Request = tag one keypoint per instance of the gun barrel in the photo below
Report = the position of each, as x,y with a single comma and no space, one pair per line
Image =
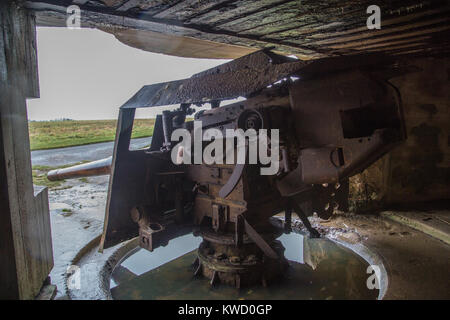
94,168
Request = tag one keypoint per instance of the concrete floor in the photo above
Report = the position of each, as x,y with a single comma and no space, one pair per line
417,264
76,216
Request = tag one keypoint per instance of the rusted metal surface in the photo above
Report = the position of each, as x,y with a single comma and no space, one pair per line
260,242
247,75
232,182
362,115
237,78
94,168
239,267
310,29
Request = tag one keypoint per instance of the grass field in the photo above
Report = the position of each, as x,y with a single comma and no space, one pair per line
40,175
58,134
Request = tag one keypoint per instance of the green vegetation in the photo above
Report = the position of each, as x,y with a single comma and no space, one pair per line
66,133
40,176
67,212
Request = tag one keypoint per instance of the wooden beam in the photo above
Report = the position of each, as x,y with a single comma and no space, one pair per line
197,8
413,35
402,30
98,19
405,19
179,6
128,5
25,250
217,15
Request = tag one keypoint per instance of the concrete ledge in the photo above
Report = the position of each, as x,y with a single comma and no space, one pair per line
48,292
435,224
416,263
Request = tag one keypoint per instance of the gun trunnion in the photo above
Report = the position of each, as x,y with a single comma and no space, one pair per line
335,117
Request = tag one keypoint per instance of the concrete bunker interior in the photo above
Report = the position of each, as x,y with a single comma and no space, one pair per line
398,213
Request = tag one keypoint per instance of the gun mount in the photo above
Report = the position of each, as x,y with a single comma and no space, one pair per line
325,121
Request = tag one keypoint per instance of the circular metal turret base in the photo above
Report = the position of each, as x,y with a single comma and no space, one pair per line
239,267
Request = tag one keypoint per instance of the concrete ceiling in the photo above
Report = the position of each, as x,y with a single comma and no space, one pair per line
310,29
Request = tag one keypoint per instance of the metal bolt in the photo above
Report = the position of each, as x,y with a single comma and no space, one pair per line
235,259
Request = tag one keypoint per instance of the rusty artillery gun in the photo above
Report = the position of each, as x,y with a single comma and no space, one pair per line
334,117
94,168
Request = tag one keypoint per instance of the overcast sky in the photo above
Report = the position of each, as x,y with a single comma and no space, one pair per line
88,74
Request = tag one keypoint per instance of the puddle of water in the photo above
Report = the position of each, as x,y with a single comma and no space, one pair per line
293,243
319,269
140,261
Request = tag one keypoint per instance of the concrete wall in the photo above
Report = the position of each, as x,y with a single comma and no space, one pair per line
419,170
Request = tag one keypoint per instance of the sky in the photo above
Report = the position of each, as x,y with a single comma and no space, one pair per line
86,74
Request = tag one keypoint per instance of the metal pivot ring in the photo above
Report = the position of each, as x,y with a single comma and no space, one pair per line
250,119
